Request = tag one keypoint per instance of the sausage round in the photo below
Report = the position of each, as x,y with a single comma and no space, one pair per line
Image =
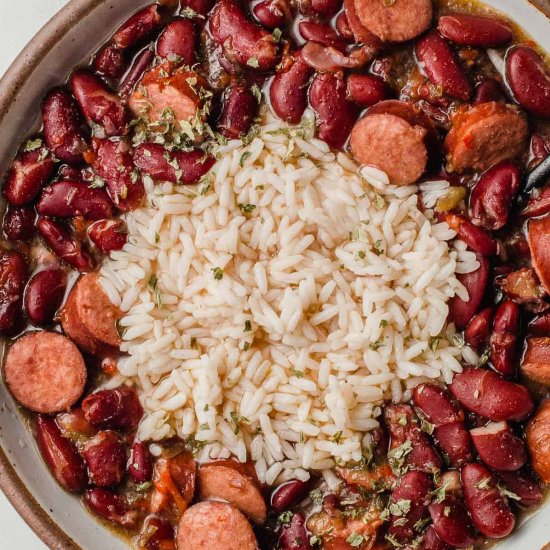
538,442
391,144
483,136
45,372
89,318
229,480
401,21
215,526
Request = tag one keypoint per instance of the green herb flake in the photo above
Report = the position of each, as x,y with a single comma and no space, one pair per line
434,343
247,326
355,539
247,208
376,345
255,89
32,145
379,201
243,158
285,517
377,247
400,508
276,34
337,437
383,323
485,483
218,273
253,62
361,255
297,373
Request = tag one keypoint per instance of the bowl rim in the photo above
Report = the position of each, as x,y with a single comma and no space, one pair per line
16,75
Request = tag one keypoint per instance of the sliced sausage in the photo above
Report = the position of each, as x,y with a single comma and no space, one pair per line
230,480
391,144
174,95
89,318
13,275
536,360
485,135
45,372
361,34
396,21
538,442
539,243
215,526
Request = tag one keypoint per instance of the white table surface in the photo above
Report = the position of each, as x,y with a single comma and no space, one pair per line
19,22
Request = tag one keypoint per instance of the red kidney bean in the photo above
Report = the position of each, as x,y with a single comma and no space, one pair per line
115,165
430,540
475,237
108,235
488,90
159,163
288,92
178,42
242,40
239,108
63,127
322,33
289,494
487,394
540,326
504,345
415,490
403,427
140,463
68,199
436,405
60,455
156,534
488,508
366,90
529,80
451,522
13,275
141,63
475,30
455,441
138,27
538,204
64,245
105,456
111,507
110,62
461,312
28,173
498,447
336,115
98,103
74,426
524,486
272,13
478,329
294,536
113,409
343,28
325,8
18,223
441,66
493,195
44,294
201,7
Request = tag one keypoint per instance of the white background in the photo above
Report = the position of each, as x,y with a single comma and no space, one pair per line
19,22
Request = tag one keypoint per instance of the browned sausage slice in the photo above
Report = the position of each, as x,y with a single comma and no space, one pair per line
45,372
159,94
539,244
485,135
538,442
90,319
229,480
215,526
396,21
535,364
392,145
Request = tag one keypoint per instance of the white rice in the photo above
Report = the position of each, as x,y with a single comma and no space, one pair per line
330,296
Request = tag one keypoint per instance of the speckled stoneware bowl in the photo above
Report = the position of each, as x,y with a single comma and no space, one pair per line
69,38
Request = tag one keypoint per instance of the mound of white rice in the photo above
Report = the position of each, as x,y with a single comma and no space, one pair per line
271,309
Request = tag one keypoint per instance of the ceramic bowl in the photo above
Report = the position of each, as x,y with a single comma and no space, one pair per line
69,38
